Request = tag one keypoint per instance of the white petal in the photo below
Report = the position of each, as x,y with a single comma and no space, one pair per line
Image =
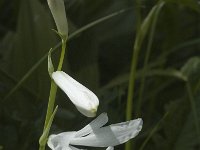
111,135
57,8
110,148
60,141
101,120
84,99
127,130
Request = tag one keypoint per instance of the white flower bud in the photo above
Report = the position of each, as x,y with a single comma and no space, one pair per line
85,100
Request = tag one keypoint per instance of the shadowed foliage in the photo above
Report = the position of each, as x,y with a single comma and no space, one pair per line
99,56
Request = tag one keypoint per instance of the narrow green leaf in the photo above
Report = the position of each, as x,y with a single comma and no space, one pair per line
136,49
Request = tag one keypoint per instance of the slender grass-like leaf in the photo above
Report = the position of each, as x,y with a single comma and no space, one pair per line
141,33
136,49
147,55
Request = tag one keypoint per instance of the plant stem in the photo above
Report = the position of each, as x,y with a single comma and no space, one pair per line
42,147
62,56
53,91
52,97
141,33
147,55
133,70
132,76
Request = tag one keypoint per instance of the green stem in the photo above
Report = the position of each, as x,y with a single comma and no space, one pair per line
50,108
141,33
147,55
62,56
42,147
133,71
132,76
131,83
129,107
53,91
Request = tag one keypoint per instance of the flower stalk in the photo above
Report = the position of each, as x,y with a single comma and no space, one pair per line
53,91
57,8
62,56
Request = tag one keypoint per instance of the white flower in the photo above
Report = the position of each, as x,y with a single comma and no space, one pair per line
57,8
94,135
84,99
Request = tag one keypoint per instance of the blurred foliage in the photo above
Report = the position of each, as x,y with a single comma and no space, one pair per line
100,58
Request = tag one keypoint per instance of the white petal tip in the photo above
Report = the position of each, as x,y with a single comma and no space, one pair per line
88,113
140,124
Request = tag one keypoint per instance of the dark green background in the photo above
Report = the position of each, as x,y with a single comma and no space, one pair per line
100,58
